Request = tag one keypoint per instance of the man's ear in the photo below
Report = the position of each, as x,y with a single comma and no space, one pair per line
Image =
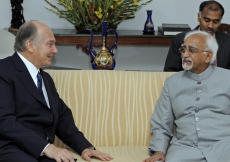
199,17
209,56
29,45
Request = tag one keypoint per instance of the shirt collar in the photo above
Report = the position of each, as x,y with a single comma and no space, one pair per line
201,76
31,68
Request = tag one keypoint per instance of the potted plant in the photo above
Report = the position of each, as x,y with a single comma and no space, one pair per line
91,13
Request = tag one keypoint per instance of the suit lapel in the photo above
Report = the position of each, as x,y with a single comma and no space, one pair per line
25,77
220,53
49,93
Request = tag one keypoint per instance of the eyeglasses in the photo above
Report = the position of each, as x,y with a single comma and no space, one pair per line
191,50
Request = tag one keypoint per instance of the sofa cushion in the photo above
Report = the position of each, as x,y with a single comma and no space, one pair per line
121,153
112,108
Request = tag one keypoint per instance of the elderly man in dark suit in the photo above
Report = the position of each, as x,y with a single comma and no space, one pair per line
209,17
31,111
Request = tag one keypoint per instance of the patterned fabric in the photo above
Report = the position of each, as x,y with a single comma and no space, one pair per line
39,84
120,153
111,108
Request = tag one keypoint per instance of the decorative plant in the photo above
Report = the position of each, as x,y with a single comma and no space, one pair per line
91,13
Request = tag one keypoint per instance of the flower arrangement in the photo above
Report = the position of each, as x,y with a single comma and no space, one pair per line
91,13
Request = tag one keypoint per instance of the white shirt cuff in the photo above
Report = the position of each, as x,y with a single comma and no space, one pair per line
92,148
42,153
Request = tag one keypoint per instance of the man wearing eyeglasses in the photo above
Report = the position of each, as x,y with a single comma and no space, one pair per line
197,102
209,18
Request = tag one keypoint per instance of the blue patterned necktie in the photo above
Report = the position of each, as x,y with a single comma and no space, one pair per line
39,84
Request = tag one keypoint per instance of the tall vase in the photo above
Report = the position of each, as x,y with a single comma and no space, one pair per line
149,27
103,59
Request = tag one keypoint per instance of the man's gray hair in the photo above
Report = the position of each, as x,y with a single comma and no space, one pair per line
27,31
211,44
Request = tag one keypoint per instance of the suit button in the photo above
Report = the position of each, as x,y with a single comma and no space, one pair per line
196,111
198,129
197,119
198,98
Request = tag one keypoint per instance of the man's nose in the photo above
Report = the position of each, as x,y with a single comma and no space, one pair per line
54,50
210,24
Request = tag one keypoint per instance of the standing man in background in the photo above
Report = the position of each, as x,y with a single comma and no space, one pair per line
31,111
209,18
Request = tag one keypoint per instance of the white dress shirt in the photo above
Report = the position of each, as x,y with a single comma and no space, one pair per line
33,73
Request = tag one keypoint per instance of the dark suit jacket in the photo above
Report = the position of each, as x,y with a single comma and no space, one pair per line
25,119
173,60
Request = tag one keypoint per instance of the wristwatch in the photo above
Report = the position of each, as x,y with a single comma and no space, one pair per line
151,152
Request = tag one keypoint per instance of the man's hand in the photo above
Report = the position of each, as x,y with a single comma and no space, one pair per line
58,154
158,156
88,153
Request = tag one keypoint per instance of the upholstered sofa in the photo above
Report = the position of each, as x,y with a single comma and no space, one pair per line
112,108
